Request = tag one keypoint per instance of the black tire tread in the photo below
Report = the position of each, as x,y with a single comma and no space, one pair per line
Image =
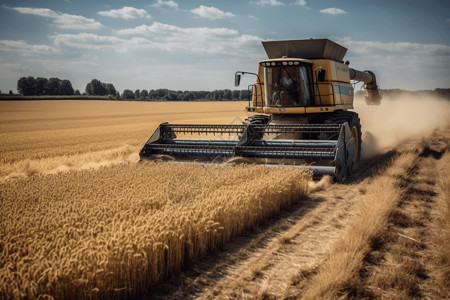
257,120
352,118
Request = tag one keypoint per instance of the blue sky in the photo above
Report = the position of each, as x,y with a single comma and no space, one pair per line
199,44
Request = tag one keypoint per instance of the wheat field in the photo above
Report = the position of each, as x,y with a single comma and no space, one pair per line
55,136
74,224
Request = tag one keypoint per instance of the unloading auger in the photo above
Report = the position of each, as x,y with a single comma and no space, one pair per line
300,103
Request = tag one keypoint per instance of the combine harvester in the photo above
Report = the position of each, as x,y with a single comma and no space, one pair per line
300,104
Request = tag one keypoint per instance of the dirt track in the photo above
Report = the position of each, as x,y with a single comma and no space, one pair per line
279,257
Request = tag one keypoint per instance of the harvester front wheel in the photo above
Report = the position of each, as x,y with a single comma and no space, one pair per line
257,120
354,124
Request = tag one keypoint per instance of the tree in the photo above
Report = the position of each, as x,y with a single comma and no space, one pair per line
136,94
110,89
96,87
144,94
160,93
88,90
11,92
171,96
188,96
216,95
235,95
128,94
52,87
65,87
77,92
243,94
26,86
41,84
227,94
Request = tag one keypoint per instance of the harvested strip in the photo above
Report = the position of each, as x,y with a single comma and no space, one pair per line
346,257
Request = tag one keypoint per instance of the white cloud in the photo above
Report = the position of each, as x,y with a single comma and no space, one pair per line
401,64
300,2
169,32
169,3
399,48
20,46
269,2
211,12
165,37
333,11
126,13
62,20
89,41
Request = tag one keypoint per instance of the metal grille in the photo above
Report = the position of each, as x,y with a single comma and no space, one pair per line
211,129
245,151
239,129
248,144
298,128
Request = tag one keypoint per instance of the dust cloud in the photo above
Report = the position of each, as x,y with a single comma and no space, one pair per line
399,118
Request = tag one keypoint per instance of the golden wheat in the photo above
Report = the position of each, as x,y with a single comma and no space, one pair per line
34,130
444,182
114,231
70,231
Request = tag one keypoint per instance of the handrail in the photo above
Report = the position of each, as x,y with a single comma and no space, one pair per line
251,86
326,95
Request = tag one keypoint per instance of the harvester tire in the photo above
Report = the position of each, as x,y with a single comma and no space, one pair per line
355,127
257,120
354,124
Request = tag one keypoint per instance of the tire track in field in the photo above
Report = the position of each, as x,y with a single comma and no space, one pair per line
266,261
280,251
293,256
270,272
402,263
281,256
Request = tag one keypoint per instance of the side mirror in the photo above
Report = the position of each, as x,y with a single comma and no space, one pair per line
321,75
237,79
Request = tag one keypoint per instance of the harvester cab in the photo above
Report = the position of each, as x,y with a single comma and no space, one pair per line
300,104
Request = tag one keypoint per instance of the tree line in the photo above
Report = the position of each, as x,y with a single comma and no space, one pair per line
172,95
30,86
40,86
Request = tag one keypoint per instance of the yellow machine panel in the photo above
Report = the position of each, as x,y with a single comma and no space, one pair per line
324,93
334,71
344,93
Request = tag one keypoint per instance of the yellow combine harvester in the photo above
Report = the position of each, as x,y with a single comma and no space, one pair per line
300,103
